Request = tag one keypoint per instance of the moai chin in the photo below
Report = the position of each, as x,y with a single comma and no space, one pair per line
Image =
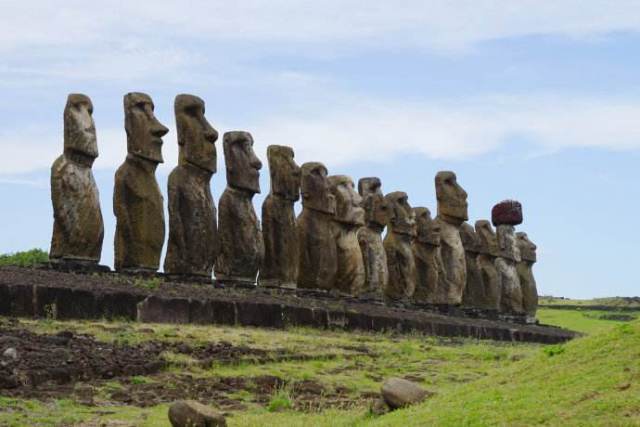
241,245
318,260
486,260
137,200
474,289
452,212
348,219
525,272
426,251
280,264
397,245
193,231
78,228
370,238
508,258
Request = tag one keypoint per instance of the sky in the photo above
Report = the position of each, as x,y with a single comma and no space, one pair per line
533,100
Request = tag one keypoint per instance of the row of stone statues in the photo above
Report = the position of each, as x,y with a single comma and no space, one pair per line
335,244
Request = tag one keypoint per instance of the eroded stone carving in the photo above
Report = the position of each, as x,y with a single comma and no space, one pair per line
370,238
137,200
349,217
280,263
318,260
78,228
452,212
509,256
193,231
525,272
397,245
240,236
486,260
426,251
474,289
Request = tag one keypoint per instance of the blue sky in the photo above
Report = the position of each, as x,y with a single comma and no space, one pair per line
533,100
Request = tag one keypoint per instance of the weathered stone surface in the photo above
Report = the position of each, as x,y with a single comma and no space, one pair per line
486,260
399,393
78,228
525,272
426,251
397,245
348,219
507,212
280,264
318,260
193,230
370,238
137,200
474,290
189,413
452,212
509,256
241,245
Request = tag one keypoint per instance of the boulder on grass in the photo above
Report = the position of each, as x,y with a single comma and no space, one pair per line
398,393
189,413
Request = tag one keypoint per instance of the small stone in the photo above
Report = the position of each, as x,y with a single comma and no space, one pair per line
189,413
379,407
398,393
10,353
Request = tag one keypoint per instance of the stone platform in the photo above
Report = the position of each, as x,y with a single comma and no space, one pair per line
43,293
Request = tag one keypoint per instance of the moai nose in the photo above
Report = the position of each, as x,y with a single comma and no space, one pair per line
159,130
211,135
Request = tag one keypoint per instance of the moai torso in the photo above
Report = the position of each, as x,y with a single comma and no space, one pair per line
452,212
474,289
426,251
504,216
349,217
374,256
318,260
193,231
525,272
78,228
240,236
486,261
280,264
397,245
137,200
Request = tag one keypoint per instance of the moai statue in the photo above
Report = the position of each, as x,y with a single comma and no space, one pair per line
241,245
280,264
474,289
525,272
397,245
193,231
137,200
504,216
486,260
452,212
78,229
426,251
376,215
348,219
318,259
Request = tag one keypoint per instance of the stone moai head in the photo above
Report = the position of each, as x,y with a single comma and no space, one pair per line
79,128
315,188
144,131
487,240
470,239
284,172
243,166
196,137
373,201
452,199
526,246
427,229
401,217
348,202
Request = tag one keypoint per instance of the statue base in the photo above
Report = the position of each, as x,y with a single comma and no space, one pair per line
76,265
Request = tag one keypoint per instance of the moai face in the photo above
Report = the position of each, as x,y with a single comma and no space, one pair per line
243,166
427,230
452,199
401,218
79,128
526,246
316,193
469,238
487,240
373,202
144,131
284,172
507,245
196,137
348,201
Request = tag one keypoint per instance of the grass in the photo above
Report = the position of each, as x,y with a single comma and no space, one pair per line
24,259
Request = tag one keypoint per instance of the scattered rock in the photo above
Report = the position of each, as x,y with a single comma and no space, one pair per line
379,407
398,392
189,413
10,353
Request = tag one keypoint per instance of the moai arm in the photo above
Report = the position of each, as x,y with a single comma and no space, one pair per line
176,229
